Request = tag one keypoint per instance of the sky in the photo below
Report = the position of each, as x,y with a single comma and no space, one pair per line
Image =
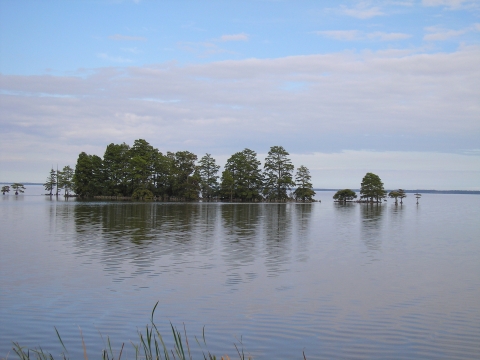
346,87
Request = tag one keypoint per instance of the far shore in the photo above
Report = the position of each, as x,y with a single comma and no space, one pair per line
464,192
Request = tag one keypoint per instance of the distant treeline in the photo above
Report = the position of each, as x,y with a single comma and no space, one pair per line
143,172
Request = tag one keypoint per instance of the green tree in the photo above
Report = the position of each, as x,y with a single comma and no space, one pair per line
345,195
402,195
5,189
18,188
141,165
208,171
51,182
88,179
183,183
246,176
278,172
65,179
250,178
304,190
115,167
227,185
372,188
394,194
161,174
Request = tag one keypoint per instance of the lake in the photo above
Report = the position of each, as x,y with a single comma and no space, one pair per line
350,281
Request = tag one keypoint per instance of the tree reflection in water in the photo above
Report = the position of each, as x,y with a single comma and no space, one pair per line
372,221
278,236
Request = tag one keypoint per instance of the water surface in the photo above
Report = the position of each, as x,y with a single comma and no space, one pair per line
336,281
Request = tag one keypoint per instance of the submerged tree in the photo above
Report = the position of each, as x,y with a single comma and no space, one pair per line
304,190
394,194
402,195
51,182
18,188
372,188
5,189
345,195
278,172
418,196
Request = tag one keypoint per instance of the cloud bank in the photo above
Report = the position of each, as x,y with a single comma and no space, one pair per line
395,100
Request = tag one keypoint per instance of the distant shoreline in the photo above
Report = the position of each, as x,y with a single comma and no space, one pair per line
461,192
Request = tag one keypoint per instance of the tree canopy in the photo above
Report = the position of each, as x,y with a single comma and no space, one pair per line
19,188
278,172
345,195
142,171
304,190
372,188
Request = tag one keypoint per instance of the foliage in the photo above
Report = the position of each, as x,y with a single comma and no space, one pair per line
402,195
244,180
178,176
184,180
207,171
89,177
65,179
278,170
115,167
372,188
304,190
5,189
394,194
51,182
18,188
345,195
227,185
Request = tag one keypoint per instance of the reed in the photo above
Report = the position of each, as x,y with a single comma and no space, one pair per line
150,347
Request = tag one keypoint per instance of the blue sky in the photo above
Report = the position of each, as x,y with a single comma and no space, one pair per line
349,87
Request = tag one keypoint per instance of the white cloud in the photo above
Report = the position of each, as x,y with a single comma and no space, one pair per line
383,36
234,37
452,4
355,35
346,35
436,33
362,11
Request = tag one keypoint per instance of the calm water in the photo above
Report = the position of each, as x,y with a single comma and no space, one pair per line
336,281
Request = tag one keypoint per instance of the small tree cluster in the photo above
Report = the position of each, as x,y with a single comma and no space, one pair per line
396,194
126,170
58,180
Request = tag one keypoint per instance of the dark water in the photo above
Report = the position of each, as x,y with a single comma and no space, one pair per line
336,281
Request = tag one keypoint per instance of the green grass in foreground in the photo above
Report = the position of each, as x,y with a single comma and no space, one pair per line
151,346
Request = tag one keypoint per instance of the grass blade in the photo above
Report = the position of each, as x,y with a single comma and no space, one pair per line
60,338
